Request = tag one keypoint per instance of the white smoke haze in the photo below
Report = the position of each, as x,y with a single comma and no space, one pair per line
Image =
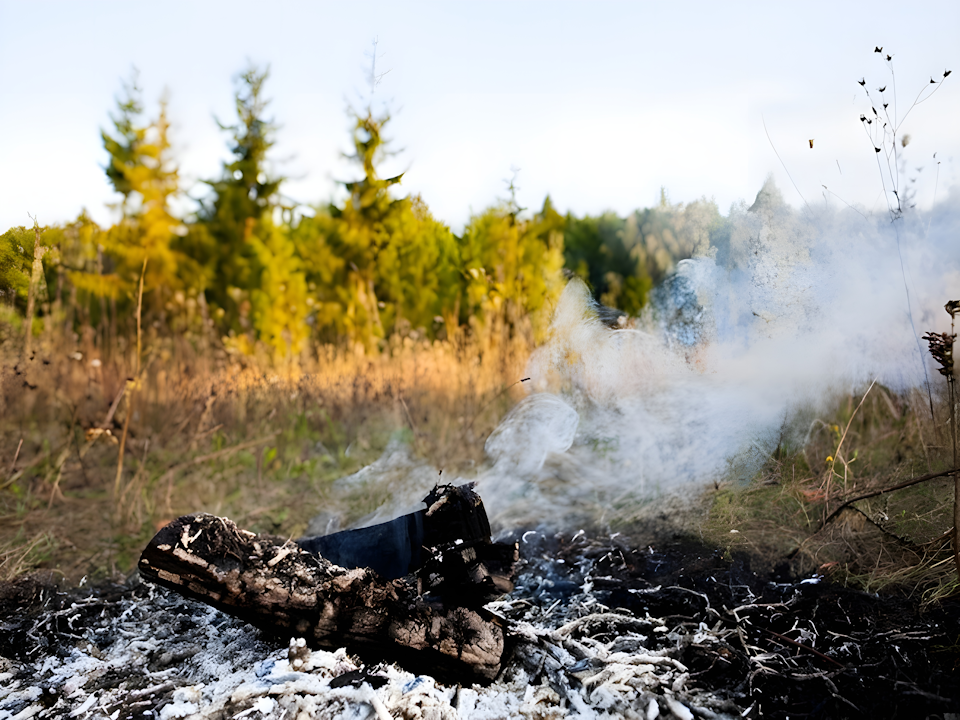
786,310
741,348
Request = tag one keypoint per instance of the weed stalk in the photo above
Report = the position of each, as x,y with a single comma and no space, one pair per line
36,272
952,308
130,395
941,348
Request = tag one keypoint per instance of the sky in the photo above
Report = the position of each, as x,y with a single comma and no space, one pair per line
598,104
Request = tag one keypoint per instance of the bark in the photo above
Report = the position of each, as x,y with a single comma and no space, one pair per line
288,591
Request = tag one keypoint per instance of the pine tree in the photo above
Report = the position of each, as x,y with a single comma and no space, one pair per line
124,147
142,168
363,230
225,261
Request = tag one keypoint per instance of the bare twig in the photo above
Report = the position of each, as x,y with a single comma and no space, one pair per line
882,491
770,140
16,456
113,408
491,401
19,473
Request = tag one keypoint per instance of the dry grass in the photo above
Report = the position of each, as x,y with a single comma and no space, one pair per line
232,435
19,555
263,443
896,540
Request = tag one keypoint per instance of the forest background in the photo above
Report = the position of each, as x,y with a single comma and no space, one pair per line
250,270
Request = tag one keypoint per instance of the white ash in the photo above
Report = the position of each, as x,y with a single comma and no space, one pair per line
153,654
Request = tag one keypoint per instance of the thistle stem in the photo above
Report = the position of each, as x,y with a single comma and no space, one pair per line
951,384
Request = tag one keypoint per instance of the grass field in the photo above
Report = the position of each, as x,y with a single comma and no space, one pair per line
264,445
223,435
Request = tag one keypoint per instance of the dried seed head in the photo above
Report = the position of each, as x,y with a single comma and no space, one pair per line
941,348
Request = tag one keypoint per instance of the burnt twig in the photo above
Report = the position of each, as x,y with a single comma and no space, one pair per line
809,649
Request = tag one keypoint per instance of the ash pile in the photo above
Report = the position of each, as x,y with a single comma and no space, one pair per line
596,627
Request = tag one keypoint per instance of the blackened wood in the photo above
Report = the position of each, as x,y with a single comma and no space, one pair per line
470,575
392,549
447,545
455,513
285,590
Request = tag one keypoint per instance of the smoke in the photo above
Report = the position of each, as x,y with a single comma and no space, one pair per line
783,311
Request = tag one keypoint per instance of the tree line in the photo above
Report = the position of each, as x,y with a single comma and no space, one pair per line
256,270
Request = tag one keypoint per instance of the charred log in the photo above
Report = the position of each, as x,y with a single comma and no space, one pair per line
285,590
447,545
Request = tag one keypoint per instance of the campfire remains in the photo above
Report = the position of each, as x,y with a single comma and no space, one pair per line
602,627
423,609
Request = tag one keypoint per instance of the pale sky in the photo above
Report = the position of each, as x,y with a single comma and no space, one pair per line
598,104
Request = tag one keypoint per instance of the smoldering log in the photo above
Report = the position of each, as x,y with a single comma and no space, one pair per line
286,590
447,544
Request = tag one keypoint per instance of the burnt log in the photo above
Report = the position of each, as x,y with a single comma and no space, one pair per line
286,590
447,545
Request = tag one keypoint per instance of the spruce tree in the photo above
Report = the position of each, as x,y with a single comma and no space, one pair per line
243,197
363,229
143,170
511,267
124,146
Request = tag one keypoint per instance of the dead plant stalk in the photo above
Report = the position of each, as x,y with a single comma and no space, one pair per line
35,275
130,395
951,385
836,454
941,348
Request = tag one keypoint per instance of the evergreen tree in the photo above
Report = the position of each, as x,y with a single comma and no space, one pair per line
417,273
16,260
661,236
124,146
363,229
227,264
386,264
324,272
279,302
511,266
142,168
622,259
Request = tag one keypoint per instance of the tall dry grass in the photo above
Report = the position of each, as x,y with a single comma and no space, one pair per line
207,430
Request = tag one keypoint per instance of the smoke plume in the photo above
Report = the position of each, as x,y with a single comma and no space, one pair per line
785,310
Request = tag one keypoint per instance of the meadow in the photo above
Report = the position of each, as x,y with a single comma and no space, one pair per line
243,359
